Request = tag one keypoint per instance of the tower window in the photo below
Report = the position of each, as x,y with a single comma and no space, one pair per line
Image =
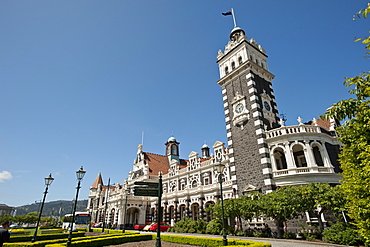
240,60
174,150
226,70
232,65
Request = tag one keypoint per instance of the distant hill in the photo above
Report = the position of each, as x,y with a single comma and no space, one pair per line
54,208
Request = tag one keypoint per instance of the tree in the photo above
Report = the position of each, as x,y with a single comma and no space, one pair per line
243,207
355,137
31,217
318,198
281,205
5,217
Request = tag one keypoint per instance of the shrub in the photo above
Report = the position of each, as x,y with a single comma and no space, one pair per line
342,233
183,225
289,235
214,227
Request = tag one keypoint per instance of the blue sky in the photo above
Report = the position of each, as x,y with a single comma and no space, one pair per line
81,80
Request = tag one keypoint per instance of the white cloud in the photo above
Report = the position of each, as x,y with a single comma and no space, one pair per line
5,175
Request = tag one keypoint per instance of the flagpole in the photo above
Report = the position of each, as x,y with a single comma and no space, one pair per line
232,12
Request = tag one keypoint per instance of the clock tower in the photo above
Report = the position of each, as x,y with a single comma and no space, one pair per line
250,110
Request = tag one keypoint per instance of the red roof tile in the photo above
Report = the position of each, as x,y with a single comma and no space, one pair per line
159,163
98,180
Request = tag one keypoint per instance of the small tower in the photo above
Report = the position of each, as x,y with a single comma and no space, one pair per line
172,149
98,181
205,151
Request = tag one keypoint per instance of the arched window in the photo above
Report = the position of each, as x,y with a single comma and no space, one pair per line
299,158
280,160
317,155
240,60
226,70
194,184
195,211
233,65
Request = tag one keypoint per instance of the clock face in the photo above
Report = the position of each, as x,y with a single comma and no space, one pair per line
239,108
267,106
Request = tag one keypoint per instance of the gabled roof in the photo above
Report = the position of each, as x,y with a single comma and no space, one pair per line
159,163
98,180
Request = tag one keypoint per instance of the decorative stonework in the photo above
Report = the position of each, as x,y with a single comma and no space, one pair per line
240,111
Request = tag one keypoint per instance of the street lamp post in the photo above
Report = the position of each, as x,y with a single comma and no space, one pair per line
48,181
80,175
220,167
124,210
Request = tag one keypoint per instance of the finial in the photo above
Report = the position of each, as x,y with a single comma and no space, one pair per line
299,119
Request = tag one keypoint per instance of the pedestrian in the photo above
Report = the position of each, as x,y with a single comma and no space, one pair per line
4,233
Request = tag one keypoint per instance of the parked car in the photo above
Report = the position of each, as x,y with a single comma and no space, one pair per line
97,224
163,227
147,227
140,226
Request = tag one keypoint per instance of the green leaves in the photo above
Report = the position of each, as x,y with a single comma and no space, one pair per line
355,137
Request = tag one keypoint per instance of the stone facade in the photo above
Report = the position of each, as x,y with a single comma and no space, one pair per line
262,153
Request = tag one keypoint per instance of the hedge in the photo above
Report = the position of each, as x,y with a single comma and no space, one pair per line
110,240
101,240
209,242
25,238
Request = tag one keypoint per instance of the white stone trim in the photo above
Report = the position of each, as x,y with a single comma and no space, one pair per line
251,83
252,90
230,142
259,131
232,168
260,140
227,119
233,177
266,171
258,122
256,114
249,75
226,104
231,151
228,126
263,150
255,105
268,181
224,98
265,160
253,97
269,191
228,134
224,91
226,111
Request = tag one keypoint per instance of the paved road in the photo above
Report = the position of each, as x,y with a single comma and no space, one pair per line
273,242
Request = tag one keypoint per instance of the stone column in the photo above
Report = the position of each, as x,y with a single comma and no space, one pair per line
165,213
176,211
201,208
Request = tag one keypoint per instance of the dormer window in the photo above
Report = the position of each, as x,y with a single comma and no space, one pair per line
226,70
232,65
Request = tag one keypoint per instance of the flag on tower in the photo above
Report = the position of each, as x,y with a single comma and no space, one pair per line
227,13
